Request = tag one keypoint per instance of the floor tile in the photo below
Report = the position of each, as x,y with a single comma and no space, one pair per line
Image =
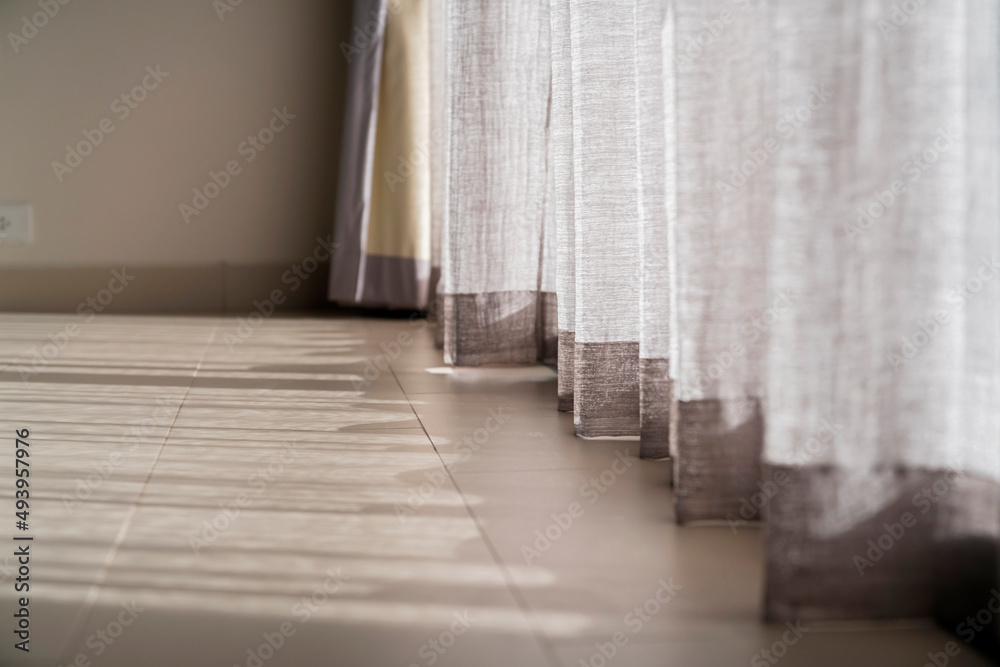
209,479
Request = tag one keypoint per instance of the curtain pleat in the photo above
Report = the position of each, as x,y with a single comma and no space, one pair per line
606,215
357,154
438,155
654,54
723,135
773,232
563,195
498,294
882,419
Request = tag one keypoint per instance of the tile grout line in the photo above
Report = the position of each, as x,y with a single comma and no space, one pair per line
90,602
547,647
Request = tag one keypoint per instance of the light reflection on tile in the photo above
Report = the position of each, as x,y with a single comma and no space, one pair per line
202,523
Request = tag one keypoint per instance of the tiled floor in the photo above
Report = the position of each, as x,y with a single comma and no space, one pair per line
203,491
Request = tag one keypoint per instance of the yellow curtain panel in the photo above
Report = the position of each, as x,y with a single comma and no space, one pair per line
383,218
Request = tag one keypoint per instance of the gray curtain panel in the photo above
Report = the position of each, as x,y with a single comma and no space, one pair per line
883,428
356,159
382,224
498,275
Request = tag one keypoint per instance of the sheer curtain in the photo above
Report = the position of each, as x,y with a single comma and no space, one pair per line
563,193
605,217
497,237
882,414
438,162
721,127
773,231
657,196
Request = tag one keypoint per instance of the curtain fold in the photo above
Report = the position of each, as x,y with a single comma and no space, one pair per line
606,217
723,134
498,276
882,414
774,232
657,188
382,226
561,151
438,163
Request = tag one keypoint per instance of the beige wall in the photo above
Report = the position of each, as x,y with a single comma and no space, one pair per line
120,206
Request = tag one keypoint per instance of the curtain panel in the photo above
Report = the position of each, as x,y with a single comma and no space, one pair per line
382,226
882,412
657,206
498,278
721,123
563,193
773,232
438,149
605,217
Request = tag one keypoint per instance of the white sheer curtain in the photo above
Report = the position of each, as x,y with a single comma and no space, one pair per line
438,162
497,238
776,245
884,375
722,124
605,217
561,152
657,205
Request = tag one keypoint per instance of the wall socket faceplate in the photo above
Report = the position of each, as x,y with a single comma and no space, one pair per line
16,224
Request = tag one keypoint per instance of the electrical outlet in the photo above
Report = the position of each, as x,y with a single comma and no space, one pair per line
15,224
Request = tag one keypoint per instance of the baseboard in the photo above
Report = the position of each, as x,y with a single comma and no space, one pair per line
192,289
